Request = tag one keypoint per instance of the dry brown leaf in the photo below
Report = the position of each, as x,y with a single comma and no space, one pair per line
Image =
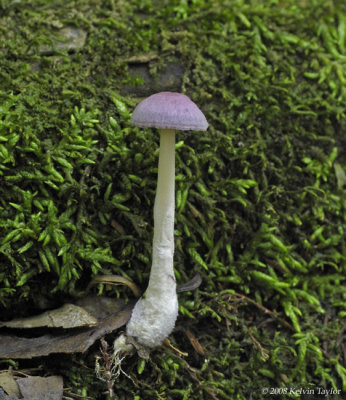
67,316
39,388
76,341
31,388
9,384
100,307
4,396
190,285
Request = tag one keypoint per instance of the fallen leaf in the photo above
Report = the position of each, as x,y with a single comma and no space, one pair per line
9,384
31,388
76,341
4,396
67,316
190,285
39,388
101,307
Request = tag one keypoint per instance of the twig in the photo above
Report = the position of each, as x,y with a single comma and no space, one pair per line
262,308
257,344
325,342
193,376
343,329
168,344
69,396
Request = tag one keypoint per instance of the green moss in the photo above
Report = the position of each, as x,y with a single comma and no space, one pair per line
260,196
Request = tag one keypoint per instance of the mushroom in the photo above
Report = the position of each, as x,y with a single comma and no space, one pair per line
154,315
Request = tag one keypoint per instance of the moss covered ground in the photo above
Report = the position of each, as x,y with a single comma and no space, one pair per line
260,197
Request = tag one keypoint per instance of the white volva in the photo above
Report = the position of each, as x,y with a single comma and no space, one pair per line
154,315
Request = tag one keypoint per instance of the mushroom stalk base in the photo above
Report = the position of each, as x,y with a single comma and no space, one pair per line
154,315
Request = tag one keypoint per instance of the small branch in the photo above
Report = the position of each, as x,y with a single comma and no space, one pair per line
339,337
193,376
257,344
169,345
262,308
69,396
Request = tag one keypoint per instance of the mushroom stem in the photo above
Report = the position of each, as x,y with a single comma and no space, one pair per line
163,241
154,315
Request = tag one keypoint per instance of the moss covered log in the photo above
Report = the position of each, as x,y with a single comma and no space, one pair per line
260,201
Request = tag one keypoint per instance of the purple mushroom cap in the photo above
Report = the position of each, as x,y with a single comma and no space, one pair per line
169,110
